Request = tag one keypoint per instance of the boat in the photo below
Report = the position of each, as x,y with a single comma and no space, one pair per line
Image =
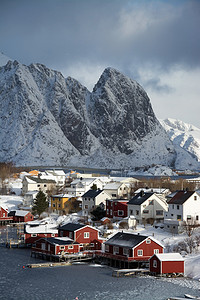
190,296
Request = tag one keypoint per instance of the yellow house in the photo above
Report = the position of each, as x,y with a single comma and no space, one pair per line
58,201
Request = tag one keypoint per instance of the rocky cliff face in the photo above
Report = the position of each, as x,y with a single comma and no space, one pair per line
46,119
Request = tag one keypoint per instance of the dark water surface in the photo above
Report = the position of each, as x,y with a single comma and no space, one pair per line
82,281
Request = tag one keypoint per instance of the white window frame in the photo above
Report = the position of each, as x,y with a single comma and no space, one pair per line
107,248
92,245
62,247
70,247
126,251
120,215
115,250
156,251
86,235
140,252
33,234
148,241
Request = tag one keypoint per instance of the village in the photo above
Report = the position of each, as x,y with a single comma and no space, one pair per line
117,221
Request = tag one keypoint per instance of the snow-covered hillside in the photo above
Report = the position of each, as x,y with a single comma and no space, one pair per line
186,140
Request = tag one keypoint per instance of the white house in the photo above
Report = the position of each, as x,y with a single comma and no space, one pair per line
57,175
117,190
147,206
31,183
81,186
93,198
184,206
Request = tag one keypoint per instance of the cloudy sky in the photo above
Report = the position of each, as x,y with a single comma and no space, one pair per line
154,42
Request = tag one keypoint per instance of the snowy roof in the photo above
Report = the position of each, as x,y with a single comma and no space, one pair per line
20,213
169,257
4,206
112,186
62,196
140,198
152,190
32,179
40,229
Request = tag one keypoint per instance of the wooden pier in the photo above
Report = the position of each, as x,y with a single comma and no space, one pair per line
130,272
50,264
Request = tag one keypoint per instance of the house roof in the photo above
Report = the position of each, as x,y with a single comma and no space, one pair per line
180,197
140,198
39,180
169,256
71,226
128,240
18,213
112,185
60,241
92,193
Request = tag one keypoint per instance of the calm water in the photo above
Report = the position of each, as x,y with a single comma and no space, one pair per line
82,281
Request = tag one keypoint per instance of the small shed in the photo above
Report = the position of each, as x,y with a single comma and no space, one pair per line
167,263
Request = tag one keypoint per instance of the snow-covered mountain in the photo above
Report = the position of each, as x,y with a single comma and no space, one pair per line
4,59
46,119
186,140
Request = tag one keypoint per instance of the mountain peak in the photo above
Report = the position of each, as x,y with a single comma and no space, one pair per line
4,59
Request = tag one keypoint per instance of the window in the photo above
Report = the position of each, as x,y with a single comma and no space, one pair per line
126,251
189,217
148,241
86,235
140,252
4,215
43,246
173,206
156,251
107,211
70,235
62,247
107,248
45,185
144,205
145,211
120,212
53,234
150,202
92,245
131,211
177,206
195,197
179,217
114,195
115,250
197,218
59,205
38,185
155,263
172,215
86,206
159,212
49,247
137,212
71,247
111,212
33,235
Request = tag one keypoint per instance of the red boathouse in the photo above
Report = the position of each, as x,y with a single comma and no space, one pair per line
166,263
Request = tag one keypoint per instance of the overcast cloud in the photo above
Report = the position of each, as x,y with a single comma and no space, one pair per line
155,42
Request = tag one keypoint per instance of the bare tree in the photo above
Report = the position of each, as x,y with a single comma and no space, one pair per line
6,169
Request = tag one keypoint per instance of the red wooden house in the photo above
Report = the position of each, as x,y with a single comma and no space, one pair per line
21,216
55,246
131,247
166,263
4,218
116,208
83,234
33,232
